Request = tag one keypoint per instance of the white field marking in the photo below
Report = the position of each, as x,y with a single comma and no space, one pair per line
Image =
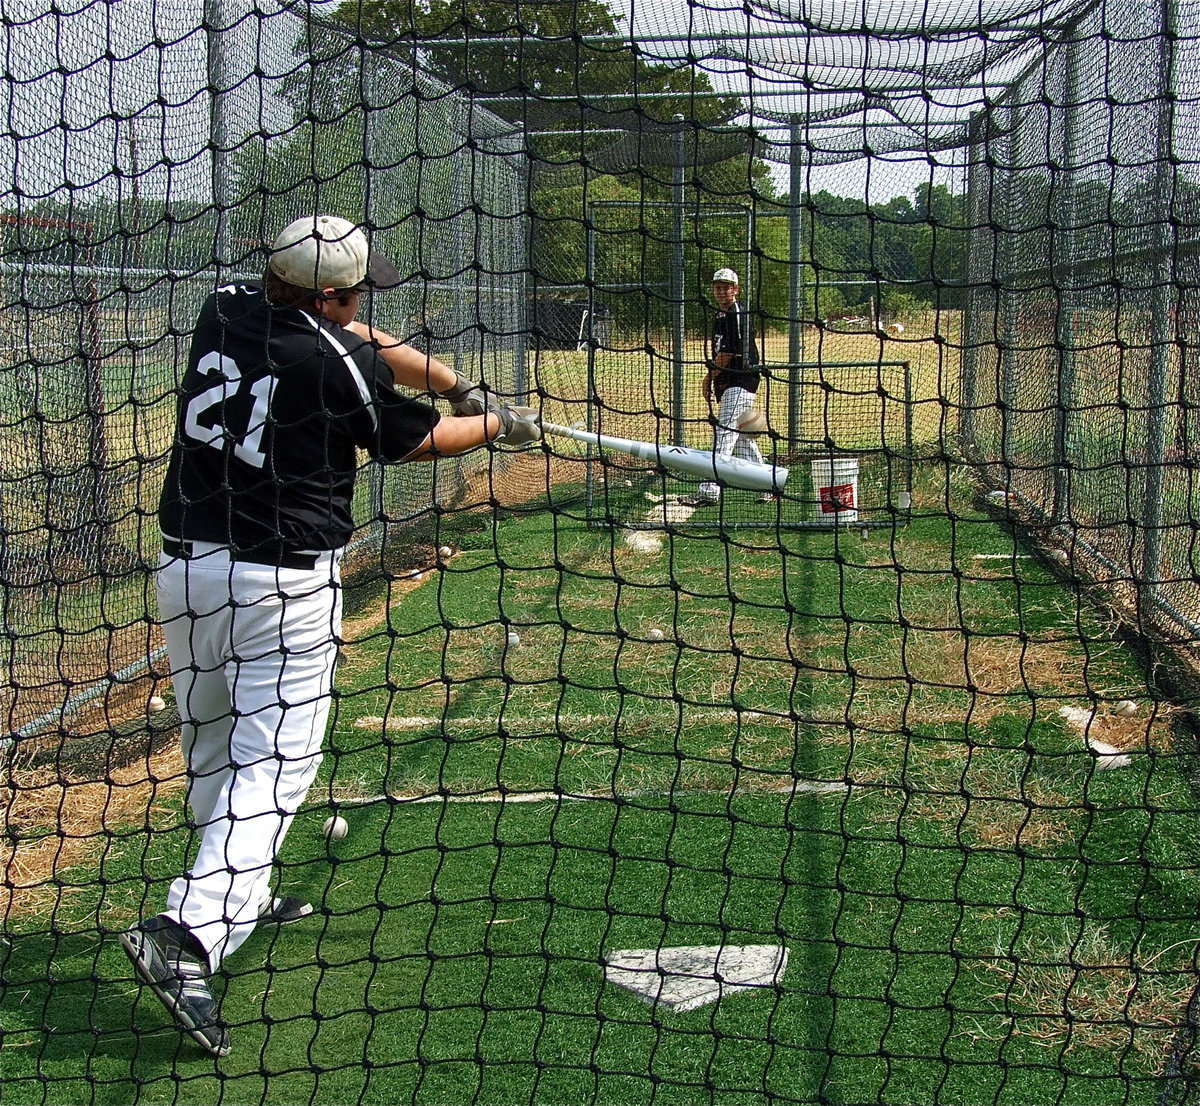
671,510
1002,556
564,721
689,977
641,542
1078,718
674,512
817,787
1107,756
1085,722
799,787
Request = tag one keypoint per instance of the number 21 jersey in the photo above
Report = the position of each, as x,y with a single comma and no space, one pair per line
273,407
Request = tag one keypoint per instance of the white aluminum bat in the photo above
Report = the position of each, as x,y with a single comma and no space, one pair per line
734,472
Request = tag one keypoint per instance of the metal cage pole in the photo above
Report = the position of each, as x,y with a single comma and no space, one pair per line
1068,316
216,40
980,298
589,280
1158,429
523,185
795,422
1006,247
678,287
369,61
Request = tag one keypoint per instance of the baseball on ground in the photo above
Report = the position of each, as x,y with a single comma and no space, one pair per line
655,635
336,828
1126,708
156,703
445,552
514,638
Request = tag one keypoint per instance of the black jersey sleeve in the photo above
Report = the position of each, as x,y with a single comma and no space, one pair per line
387,424
404,424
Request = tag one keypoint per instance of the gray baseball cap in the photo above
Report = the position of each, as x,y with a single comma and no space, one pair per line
725,276
324,251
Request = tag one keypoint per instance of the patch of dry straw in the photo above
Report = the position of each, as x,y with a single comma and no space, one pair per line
52,823
1090,994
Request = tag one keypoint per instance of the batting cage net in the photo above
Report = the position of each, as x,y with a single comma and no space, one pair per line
770,675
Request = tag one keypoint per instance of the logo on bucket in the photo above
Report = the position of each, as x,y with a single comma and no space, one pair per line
838,497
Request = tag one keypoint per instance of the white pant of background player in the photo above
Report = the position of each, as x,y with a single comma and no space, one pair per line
252,651
727,442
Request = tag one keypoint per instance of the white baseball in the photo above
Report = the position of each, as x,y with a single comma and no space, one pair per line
156,703
335,827
655,635
514,638
445,552
1126,708
1059,555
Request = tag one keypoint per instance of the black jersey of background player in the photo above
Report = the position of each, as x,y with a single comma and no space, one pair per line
730,332
272,410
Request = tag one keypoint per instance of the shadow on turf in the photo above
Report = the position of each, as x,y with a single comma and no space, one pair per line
66,998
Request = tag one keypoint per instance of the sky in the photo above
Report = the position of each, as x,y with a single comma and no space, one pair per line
87,90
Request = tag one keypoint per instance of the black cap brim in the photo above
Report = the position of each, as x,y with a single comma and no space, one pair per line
381,273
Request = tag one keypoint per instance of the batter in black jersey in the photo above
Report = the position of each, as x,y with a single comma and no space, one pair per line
283,387
273,407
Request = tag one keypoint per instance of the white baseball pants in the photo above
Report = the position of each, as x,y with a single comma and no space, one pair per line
727,442
252,651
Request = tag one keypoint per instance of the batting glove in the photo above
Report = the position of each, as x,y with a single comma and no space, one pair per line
466,397
519,425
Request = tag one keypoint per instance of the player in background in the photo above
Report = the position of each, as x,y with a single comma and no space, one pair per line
732,382
283,387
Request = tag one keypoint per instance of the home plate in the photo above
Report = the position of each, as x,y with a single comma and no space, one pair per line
692,976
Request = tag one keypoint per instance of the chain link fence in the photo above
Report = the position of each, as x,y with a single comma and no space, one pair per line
1079,374
99,289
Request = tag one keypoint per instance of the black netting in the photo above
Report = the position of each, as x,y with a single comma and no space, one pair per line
814,728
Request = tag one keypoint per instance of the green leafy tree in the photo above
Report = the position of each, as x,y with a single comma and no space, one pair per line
560,72
535,62
901,255
940,253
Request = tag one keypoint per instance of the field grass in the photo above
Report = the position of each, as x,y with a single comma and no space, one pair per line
68,634
849,746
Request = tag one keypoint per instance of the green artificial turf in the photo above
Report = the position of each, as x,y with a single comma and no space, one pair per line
847,746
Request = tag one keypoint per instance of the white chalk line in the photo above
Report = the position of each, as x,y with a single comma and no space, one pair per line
1085,723
797,787
568,721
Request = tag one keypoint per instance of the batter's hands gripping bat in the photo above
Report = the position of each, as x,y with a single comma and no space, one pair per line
731,471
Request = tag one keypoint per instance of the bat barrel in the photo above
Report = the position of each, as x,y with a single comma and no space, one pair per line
732,471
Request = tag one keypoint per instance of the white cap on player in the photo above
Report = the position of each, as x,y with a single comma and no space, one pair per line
725,276
323,251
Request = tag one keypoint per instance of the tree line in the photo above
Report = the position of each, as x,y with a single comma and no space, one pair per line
559,77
